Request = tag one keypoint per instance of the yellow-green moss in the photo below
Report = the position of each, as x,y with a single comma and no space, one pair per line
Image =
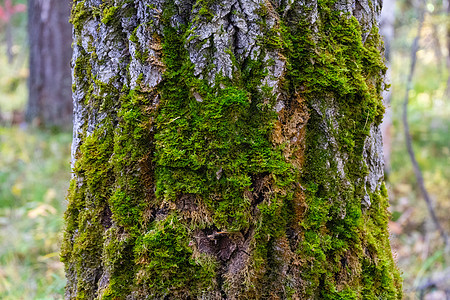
335,64
109,14
165,262
214,146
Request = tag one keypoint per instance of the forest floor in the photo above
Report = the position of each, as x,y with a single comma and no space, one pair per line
34,177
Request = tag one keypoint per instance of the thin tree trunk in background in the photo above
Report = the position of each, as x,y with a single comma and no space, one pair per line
9,43
228,150
50,38
387,31
408,139
436,44
447,90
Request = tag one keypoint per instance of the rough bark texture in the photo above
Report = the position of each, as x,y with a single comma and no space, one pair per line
228,150
50,37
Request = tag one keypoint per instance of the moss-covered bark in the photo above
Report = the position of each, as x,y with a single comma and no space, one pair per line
227,150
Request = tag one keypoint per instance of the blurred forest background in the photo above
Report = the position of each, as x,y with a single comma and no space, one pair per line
35,142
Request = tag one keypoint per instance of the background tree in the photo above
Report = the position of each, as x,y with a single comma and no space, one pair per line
6,12
50,37
228,150
387,32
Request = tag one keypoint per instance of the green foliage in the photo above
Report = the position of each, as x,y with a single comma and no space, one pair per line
13,85
34,172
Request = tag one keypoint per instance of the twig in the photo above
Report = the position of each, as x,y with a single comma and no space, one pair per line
438,281
442,279
9,43
447,90
417,171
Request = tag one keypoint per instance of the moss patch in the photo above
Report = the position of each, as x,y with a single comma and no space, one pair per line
166,265
335,70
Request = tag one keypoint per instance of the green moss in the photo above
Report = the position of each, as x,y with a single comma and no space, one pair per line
204,10
213,143
103,191
82,72
335,64
109,14
347,294
79,15
117,254
133,38
84,231
165,262
377,271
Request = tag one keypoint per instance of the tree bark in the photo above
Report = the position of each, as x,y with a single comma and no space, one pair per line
49,86
227,150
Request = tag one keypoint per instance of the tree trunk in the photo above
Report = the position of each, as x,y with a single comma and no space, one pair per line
9,42
49,86
228,150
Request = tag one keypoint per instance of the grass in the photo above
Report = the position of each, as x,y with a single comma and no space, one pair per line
34,176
